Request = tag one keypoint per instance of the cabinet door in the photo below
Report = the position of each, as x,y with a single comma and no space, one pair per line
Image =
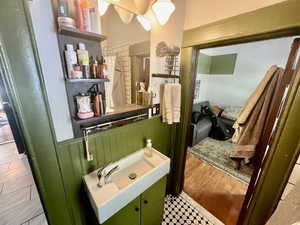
152,203
129,215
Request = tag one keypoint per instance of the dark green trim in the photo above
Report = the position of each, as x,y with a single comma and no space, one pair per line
275,21
189,62
29,98
282,19
284,153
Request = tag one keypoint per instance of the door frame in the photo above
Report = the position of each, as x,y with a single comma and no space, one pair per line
8,107
26,88
248,27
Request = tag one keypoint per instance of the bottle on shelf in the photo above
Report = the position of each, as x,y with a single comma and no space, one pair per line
77,72
71,60
62,8
79,14
83,59
93,67
86,15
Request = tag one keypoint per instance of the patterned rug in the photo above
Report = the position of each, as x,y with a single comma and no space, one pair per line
217,153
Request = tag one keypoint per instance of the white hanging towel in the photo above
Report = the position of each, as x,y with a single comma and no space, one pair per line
170,94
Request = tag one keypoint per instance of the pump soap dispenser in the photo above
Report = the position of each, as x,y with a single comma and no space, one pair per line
148,149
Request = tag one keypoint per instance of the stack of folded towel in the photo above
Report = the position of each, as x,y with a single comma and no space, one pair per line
170,101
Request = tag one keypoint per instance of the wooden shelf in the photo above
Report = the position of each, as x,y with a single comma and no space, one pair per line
160,75
73,32
87,80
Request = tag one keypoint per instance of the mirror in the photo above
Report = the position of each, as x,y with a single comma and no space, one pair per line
127,55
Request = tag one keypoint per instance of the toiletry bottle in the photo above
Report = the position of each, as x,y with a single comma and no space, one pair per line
148,149
77,73
86,15
93,67
79,14
95,16
71,60
83,59
62,8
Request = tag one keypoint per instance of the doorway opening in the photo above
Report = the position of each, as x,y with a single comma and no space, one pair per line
231,80
20,203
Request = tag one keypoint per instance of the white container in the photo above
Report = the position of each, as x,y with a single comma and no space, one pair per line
148,149
95,16
83,59
83,103
83,55
71,60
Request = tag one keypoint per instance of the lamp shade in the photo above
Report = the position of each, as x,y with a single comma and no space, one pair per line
163,9
125,15
103,6
142,6
144,22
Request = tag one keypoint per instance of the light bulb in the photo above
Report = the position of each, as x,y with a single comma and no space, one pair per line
144,22
163,10
103,6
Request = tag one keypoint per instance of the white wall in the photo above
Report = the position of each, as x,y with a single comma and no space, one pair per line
46,38
171,33
201,12
253,60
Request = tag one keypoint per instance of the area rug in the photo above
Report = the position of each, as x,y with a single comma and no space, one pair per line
217,153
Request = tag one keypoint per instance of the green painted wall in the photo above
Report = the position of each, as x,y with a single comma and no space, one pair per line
58,167
216,64
106,147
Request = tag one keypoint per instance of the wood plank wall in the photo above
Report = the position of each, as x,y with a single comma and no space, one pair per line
108,146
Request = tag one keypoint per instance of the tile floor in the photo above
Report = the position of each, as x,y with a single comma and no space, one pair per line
19,196
18,193
182,210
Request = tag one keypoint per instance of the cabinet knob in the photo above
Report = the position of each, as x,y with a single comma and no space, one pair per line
146,201
136,209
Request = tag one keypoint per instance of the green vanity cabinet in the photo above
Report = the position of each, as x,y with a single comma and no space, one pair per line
152,203
129,215
147,209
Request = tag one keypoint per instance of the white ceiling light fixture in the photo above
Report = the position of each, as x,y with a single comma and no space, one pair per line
163,9
125,15
142,6
103,6
144,22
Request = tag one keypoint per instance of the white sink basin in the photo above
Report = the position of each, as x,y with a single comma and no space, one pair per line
112,197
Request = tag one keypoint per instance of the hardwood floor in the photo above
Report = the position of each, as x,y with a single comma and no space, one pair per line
219,193
19,199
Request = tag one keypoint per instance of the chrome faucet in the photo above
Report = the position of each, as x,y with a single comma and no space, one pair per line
104,177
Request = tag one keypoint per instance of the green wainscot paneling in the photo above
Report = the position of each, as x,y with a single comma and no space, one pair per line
217,64
106,147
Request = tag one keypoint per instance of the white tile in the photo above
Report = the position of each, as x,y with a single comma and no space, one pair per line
295,176
11,186
21,164
13,174
21,213
289,187
39,220
34,193
12,199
